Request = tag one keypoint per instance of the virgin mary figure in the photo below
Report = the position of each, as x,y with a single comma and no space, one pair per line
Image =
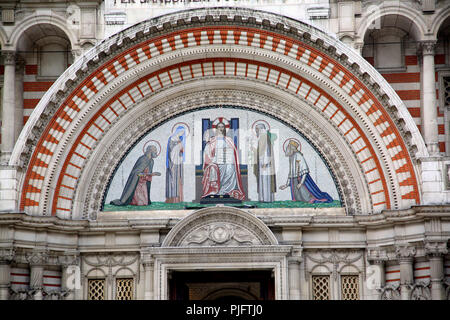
174,165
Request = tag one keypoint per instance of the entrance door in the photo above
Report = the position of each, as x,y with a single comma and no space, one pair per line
222,285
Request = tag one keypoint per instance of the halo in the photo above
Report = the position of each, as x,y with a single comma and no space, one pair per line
260,121
289,139
220,119
154,143
182,124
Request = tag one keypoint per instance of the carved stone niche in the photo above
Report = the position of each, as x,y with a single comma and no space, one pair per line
220,226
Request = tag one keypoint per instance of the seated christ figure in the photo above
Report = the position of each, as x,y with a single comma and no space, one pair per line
221,173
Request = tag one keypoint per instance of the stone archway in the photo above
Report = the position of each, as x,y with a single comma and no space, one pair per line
81,126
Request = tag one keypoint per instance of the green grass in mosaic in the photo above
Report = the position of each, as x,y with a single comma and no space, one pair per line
248,204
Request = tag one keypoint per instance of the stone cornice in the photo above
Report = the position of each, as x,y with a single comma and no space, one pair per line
279,250
155,221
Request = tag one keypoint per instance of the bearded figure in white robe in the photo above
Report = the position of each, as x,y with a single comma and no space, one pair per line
264,164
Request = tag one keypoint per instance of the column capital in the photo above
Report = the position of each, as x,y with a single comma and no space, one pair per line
427,47
7,255
9,57
405,253
69,259
295,256
436,248
37,258
377,255
147,259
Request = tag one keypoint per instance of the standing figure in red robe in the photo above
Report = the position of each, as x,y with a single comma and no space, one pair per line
221,172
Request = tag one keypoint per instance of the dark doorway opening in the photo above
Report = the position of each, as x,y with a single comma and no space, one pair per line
222,285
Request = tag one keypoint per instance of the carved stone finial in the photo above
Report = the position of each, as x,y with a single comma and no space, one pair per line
405,253
436,248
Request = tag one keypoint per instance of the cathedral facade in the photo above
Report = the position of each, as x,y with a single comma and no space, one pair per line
260,150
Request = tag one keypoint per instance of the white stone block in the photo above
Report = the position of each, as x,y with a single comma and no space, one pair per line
8,184
430,165
431,176
7,194
430,186
7,174
429,198
7,204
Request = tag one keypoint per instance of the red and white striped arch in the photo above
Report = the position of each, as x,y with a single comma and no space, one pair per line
353,129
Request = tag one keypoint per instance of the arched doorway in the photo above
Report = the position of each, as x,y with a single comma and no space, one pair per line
222,285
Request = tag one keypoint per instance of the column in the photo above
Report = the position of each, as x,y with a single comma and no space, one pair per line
429,106
6,256
294,274
148,264
405,255
435,252
18,114
8,106
37,260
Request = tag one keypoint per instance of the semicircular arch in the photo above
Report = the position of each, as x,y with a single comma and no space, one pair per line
365,108
181,232
36,20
